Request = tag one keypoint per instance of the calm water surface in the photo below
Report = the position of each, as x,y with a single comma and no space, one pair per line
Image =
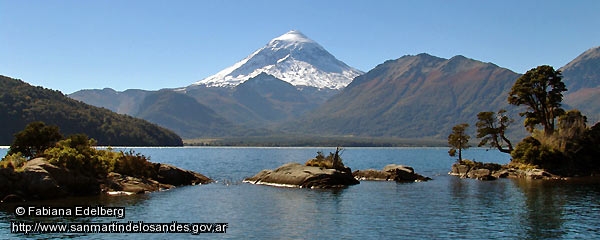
446,207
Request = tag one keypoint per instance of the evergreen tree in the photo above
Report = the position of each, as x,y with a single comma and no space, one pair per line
458,140
540,89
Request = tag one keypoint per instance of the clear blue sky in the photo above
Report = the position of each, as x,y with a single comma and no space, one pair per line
146,44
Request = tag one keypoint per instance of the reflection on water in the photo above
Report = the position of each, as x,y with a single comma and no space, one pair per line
487,209
544,203
553,206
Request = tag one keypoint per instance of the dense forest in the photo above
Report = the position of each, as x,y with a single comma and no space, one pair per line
21,103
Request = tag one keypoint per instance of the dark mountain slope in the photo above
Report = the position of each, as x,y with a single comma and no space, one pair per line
271,99
261,101
183,114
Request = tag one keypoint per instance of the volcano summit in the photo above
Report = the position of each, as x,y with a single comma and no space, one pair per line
291,57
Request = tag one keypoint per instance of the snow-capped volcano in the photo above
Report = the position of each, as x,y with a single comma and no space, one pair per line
291,57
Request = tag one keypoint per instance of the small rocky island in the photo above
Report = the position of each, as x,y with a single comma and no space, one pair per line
42,164
391,172
298,175
330,172
319,172
38,179
560,144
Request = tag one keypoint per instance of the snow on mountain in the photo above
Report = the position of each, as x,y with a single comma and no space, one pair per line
291,57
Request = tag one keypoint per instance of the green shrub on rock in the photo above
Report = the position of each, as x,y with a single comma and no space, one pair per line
333,161
14,161
530,151
134,164
78,153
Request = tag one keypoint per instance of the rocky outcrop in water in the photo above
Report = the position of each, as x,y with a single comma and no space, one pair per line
38,179
168,174
298,175
493,171
391,172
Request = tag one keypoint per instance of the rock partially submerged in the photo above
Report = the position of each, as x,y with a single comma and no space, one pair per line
391,172
493,171
117,184
41,180
298,175
172,175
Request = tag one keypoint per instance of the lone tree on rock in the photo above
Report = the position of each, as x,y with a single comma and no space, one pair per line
540,89
491,127
458,140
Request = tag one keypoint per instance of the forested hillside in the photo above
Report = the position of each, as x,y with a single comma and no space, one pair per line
21,103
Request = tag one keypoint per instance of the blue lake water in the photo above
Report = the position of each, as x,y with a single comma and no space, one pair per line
446,207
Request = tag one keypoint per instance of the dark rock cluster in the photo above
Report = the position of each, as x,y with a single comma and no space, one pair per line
39,179
391,172
493,171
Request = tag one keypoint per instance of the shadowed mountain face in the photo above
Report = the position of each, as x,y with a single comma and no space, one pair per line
260,101
271,99
212,111
182,114
582,77
21,103
413,96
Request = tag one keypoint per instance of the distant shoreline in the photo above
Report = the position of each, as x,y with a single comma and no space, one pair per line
314,141
230,142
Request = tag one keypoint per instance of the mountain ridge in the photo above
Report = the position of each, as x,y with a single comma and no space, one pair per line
582,77
414,96
403,98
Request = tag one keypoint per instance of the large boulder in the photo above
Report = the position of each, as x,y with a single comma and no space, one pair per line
172,175
39,179
460,170
540,174
395,172
477,170
394,167
38,183
481,174
372,175
116,182
298,175
74,182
